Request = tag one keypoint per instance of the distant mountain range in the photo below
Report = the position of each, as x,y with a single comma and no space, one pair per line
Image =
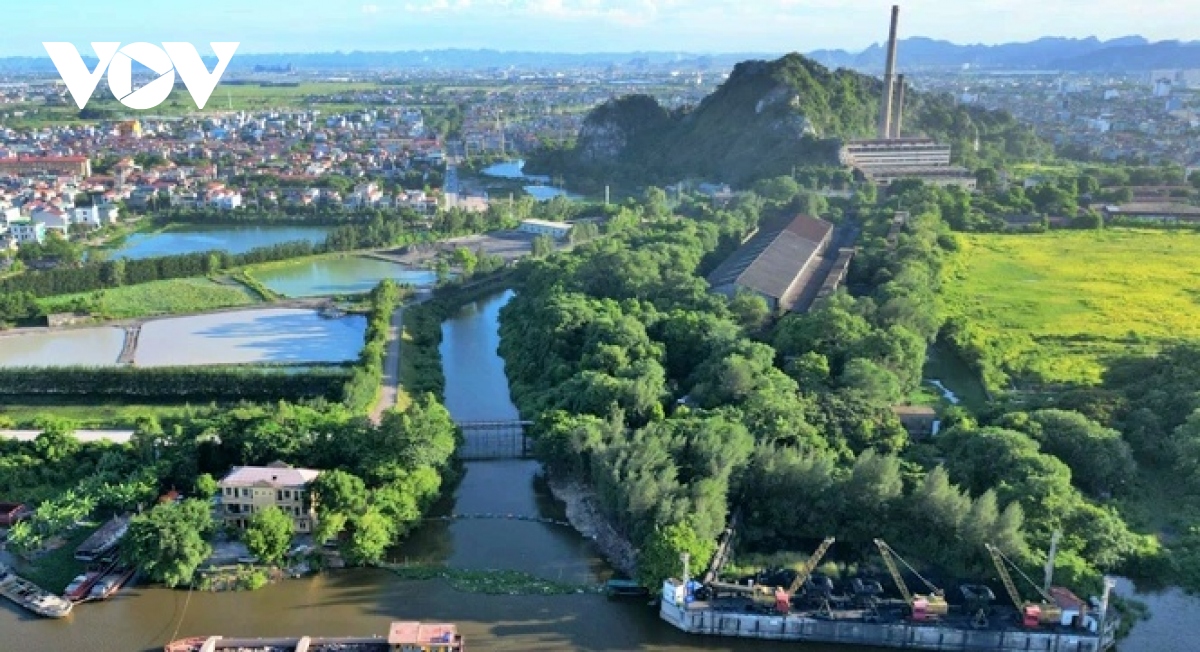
1126,54
450,59
1129,53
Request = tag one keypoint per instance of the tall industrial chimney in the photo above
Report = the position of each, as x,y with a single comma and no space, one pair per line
889,74
899,121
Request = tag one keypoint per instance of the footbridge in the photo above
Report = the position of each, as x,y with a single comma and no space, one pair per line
495,440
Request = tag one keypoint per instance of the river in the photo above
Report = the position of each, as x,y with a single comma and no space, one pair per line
363,601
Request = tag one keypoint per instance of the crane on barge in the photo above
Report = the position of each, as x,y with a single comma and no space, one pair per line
1033,614
923,607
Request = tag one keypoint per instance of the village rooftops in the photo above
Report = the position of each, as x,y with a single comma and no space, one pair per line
272,476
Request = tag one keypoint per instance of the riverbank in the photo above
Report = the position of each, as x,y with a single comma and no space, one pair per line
585,516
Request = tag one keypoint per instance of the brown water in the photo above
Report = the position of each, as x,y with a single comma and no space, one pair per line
363,602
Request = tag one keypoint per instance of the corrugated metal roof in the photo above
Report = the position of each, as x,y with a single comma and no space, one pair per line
772,260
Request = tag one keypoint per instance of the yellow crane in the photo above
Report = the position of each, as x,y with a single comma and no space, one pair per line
782,597
767,596
1032,613
923,607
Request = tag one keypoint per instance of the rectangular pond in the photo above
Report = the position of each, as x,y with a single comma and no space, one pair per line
336,276
90,347
188,239
278,335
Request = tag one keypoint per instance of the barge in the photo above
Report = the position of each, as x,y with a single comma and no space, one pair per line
881,624
401,637
31,596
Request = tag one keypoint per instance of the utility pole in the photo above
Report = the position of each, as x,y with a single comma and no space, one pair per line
1050,560
685,558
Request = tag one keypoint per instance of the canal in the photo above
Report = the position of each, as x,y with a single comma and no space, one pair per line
364,601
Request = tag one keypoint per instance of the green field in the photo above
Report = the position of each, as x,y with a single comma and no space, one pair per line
1054,307
23,411
175,296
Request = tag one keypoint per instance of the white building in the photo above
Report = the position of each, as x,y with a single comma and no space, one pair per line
556,230
25,230
53,219
89,215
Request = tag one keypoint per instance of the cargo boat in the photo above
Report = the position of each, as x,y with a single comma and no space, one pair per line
32,597
805,607
407,636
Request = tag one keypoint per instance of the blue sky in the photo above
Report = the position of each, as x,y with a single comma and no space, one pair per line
576,25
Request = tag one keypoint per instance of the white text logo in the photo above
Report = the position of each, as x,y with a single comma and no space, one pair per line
118,61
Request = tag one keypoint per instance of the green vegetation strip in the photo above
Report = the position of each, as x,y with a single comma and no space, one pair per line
491,582
176,296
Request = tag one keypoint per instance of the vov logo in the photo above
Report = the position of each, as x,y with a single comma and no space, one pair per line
118,61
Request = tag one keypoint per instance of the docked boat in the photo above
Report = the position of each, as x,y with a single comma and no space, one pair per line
407,636
625,589
79,587
110,584
31,596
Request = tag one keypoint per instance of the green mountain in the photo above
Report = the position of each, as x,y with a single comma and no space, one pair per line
765,118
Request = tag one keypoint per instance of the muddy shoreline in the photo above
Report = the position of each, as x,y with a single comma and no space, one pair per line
585,516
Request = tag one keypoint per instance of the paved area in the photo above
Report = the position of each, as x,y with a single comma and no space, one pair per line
509,245
117,436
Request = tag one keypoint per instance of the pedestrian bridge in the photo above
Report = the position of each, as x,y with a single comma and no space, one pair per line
495,440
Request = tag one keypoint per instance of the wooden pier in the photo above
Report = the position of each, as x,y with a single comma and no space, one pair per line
132,332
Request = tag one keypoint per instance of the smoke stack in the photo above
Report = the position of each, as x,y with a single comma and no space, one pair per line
889,74
899,122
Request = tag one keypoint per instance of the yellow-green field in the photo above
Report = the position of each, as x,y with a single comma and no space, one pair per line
1055,306
175,296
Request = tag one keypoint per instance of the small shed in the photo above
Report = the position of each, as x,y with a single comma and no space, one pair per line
918,420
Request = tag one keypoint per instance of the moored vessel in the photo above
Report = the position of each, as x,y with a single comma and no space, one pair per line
31,596
110,584
406,636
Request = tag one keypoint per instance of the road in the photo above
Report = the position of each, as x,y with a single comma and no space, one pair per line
390,389
117,436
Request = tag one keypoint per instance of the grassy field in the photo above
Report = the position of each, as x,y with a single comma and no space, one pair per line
175,296
1056,306
23,411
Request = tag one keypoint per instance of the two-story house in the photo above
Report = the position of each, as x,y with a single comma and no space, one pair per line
247,490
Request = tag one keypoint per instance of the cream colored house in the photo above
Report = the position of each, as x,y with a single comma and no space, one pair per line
246,490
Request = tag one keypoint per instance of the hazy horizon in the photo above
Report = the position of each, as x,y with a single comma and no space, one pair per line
583,26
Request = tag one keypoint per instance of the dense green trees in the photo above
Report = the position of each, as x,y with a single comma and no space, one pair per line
648,388
168,543
192,383
268,535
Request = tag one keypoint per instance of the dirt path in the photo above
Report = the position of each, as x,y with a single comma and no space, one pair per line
391,369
